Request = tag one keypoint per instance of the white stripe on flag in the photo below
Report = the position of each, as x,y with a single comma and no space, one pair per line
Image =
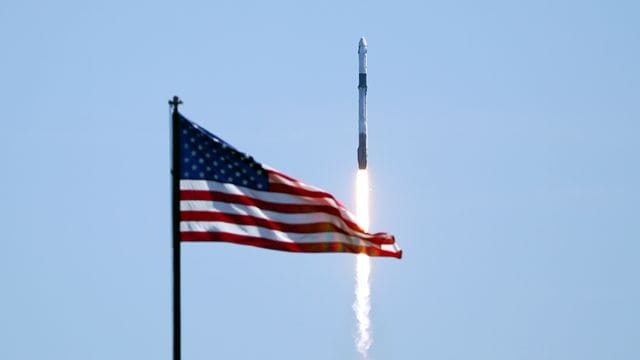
274,197
292,238
273,216
256,212
279,198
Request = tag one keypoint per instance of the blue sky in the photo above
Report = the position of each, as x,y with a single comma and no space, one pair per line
503,156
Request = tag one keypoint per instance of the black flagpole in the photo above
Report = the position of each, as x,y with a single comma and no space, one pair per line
175,218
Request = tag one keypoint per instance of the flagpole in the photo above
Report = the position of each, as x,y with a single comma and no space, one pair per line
175,220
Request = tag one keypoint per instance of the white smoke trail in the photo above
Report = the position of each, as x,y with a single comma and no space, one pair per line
362,305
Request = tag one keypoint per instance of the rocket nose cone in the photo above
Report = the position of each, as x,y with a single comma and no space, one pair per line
362,45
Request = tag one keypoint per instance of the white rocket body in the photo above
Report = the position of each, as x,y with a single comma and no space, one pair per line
362,104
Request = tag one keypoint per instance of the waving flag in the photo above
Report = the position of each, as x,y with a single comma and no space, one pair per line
226,195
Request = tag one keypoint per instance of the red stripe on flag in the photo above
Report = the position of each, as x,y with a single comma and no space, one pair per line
298,188
279,226
287,189
266,205
248,201
282,246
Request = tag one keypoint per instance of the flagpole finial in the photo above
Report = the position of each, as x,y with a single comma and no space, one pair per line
175,102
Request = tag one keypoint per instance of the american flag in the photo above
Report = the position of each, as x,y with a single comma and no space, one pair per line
227,196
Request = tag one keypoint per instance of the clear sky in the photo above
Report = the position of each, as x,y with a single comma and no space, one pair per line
503,156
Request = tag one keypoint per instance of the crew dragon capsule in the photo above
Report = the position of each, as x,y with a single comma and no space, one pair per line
362,104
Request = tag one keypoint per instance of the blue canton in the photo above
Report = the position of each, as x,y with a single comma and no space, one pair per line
204,156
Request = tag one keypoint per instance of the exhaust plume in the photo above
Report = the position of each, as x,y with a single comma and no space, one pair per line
362,304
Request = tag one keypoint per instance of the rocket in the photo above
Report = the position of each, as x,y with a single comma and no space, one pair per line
362,104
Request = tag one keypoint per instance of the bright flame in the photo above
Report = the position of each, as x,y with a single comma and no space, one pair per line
362,306
362,199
